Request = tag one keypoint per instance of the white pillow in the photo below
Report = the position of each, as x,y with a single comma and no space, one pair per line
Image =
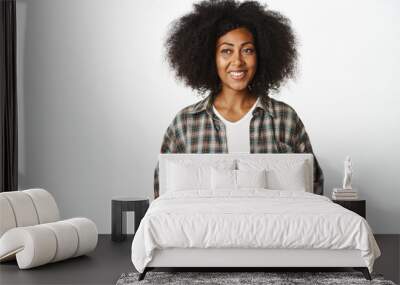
281,175
291,178
187,173
187,177
251,178
223,179
226,179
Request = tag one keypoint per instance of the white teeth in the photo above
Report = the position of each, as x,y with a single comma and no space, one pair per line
237,74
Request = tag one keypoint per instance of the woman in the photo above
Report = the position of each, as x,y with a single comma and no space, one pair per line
237,53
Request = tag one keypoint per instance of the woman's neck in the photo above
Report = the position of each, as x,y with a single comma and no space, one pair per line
232,100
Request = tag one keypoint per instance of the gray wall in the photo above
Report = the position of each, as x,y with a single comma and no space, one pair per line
95,97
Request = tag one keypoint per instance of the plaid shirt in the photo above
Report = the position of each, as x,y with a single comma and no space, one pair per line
274,128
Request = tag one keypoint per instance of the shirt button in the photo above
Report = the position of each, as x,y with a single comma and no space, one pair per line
217,127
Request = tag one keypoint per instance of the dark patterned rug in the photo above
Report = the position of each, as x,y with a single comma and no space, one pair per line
243,278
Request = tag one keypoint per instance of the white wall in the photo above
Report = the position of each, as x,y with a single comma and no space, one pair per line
95,97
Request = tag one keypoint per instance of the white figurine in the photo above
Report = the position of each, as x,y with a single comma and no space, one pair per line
348,173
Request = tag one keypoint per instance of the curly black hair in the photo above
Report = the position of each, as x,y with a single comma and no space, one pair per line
191,43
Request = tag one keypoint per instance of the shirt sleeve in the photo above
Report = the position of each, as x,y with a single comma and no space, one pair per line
170,144
302,144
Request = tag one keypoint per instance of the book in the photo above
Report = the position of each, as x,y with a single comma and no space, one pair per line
345,198
344,194
340,190
337,196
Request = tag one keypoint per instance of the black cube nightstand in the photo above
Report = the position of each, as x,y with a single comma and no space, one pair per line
357,206
119,207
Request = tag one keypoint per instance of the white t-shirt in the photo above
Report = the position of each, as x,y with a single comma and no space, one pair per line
238,133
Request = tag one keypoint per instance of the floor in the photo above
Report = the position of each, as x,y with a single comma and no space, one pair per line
102,266
111,259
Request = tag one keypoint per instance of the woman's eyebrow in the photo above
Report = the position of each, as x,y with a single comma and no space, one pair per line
246,43
225,43
230,44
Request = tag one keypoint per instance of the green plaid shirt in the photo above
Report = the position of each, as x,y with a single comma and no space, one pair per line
274,128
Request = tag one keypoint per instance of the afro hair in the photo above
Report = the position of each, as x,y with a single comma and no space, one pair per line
191,44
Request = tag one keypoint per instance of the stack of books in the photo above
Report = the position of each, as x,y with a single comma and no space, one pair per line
344,194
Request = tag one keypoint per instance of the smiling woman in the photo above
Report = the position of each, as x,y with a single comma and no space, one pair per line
236,59
236,62
235,53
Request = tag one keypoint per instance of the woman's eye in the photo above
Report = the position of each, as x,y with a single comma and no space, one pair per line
248,50
226,51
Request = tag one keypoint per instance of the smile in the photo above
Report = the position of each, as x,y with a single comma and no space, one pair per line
237,75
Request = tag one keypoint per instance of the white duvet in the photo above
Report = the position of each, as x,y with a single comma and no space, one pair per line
250,219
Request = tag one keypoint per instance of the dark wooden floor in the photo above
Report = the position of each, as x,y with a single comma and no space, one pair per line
110,260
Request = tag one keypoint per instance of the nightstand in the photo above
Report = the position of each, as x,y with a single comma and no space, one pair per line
119,207
357,206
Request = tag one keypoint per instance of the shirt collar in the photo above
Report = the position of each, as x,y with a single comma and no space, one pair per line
203,105
264,104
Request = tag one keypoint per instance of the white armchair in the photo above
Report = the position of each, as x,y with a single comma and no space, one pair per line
31,230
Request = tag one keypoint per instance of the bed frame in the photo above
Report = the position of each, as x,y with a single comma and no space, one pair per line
249,259
242,259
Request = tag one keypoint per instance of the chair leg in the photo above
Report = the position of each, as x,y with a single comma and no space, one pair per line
364,271
142,275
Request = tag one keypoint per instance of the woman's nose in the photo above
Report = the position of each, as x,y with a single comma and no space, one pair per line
237,59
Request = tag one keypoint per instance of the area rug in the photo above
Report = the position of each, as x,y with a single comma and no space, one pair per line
244,278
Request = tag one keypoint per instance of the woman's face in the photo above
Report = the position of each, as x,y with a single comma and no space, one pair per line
236,59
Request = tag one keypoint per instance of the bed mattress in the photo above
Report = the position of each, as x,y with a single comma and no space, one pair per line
250,219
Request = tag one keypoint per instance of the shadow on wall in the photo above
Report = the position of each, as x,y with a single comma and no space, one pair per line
31,113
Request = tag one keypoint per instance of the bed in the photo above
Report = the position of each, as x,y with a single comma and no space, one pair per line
246,211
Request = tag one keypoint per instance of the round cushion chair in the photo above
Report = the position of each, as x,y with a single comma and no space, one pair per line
32,233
